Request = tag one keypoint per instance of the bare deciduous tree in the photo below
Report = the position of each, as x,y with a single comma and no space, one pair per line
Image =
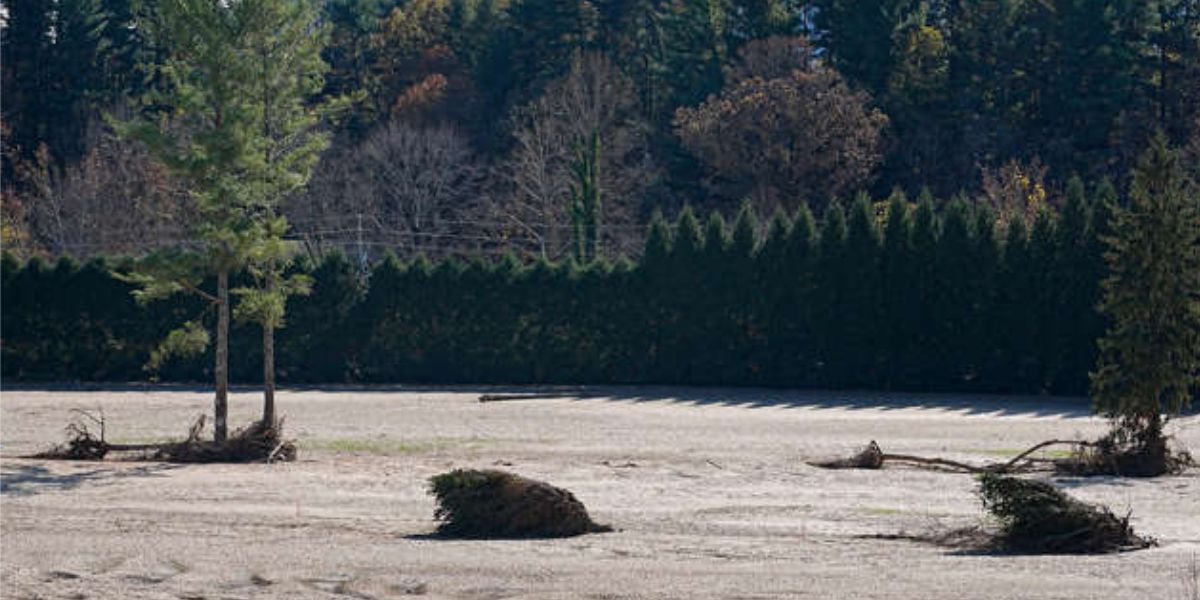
406,188
593,98
114,201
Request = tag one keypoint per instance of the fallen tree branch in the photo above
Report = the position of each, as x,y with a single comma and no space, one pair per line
872,457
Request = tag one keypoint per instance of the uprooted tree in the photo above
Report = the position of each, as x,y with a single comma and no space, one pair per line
1149,361
1036,517
498,504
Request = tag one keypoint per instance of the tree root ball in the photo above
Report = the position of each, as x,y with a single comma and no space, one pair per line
1037,518
256,442
497,504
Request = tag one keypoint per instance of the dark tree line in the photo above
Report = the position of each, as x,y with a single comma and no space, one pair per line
895,295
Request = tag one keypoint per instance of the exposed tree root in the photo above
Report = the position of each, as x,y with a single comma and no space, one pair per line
254,443
497,504
258,442
1113,456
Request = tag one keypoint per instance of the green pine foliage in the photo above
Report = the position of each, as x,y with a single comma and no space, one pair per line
1149,364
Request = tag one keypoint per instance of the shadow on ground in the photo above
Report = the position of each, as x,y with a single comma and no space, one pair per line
962,403
28,479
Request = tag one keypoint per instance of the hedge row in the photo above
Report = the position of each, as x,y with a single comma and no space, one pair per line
891,296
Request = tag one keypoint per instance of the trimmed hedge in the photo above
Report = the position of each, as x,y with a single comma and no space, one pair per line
911,299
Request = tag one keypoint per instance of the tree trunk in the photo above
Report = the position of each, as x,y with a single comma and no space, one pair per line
268,374
221,404
268,326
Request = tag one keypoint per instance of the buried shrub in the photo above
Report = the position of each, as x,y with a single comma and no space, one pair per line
1036,517
497,504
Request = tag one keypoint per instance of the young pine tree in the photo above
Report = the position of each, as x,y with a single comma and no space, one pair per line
242,136
1150,357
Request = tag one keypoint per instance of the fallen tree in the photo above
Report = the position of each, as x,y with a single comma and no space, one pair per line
257,442
1104,457
497,504
1036,517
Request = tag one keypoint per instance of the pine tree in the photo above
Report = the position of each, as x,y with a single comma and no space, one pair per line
244,137
1150,357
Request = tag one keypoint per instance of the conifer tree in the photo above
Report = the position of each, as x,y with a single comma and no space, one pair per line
1041,301
1075,290
1149,364
923,357
861,305
830,295
985,263
242,137
899,295
585,200
801,259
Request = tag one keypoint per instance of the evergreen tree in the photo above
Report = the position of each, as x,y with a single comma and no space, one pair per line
1014,330
1042,298
861,307
953,297
829,298
585,200
692,33
1149,364
925,278
244,137
899,294
1075,291
985,265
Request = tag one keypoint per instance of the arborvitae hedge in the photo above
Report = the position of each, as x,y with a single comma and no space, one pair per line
905,298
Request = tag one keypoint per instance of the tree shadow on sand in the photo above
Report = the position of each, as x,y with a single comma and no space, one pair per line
31,479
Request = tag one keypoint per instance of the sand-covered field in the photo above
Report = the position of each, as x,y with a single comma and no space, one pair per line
708,490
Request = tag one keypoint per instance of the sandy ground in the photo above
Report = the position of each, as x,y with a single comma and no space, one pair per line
708,490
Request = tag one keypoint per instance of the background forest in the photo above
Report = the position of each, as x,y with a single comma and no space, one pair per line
469,116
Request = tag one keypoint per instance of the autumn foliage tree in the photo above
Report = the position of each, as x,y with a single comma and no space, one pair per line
802,137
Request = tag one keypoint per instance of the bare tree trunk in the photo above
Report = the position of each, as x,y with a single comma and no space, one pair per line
268,374
221,405
269,363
